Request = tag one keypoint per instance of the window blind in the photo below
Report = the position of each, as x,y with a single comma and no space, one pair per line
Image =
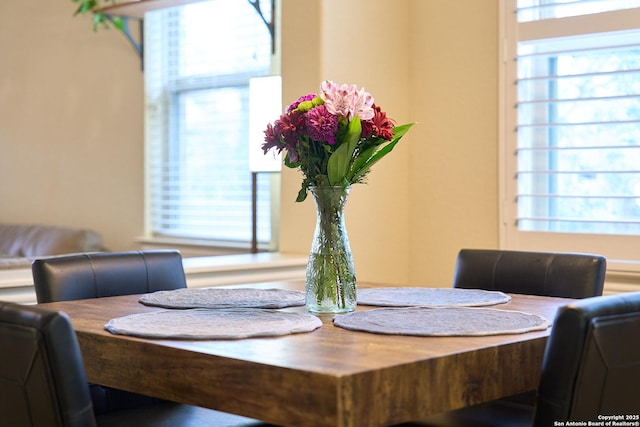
578,118
199,60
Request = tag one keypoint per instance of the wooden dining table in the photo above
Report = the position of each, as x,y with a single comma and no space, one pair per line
329,377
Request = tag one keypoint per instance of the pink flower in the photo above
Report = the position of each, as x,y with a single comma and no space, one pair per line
346,101
321,125
362,105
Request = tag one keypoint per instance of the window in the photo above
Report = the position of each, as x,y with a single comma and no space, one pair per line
571,126
199,61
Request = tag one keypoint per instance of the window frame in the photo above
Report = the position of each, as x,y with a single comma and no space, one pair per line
168,108
621,250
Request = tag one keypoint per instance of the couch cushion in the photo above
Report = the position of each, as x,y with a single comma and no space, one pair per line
18,240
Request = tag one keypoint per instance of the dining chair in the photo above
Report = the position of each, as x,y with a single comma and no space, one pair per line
591,367
104,274
556,274
43,382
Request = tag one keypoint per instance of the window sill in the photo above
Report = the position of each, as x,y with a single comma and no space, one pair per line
199,248
622,276
243,268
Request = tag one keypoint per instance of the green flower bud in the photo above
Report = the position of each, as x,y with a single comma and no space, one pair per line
305,106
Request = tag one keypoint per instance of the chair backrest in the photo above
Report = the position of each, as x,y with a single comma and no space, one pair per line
567,275
591,364
106,274
42,378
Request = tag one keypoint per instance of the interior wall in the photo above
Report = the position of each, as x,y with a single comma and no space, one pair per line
71,125
301,68
454,167
71,122
433,62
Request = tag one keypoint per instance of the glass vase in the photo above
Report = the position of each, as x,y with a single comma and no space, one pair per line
331,276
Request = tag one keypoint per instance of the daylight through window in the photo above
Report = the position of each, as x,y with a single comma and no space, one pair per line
199,61
572,101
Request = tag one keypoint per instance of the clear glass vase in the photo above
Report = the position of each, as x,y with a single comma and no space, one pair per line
331,275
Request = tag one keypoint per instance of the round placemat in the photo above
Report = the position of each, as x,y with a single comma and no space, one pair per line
430,297
205,324
224,298
449,321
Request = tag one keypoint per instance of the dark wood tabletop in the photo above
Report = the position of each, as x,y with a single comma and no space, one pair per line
329,377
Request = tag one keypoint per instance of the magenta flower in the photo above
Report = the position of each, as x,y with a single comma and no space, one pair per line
321,124
293,106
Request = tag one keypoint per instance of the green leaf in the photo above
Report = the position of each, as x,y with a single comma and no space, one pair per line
336,164
399,132
85,6
302,194
118,22
288,163
339,162
373,160
98,18
360,161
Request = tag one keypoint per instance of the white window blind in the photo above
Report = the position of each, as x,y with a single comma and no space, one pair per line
573,125
199,60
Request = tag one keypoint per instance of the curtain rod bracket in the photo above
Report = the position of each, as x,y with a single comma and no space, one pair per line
138,46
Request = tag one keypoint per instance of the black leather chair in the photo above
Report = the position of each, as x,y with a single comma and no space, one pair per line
43,381
567,275
555,274
105,274
591,367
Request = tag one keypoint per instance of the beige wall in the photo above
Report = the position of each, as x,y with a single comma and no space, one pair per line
429,61
71,122
454,164
71,125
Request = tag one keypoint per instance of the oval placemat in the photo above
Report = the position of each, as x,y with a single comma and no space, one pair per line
430,297
205,324
224,298
449,321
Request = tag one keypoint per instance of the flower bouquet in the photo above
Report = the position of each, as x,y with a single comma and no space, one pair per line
334,138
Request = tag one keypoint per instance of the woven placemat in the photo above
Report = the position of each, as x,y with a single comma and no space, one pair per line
450,321
431,297
224,298
205,324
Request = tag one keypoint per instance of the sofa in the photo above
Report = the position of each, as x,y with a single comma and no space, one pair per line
20,244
